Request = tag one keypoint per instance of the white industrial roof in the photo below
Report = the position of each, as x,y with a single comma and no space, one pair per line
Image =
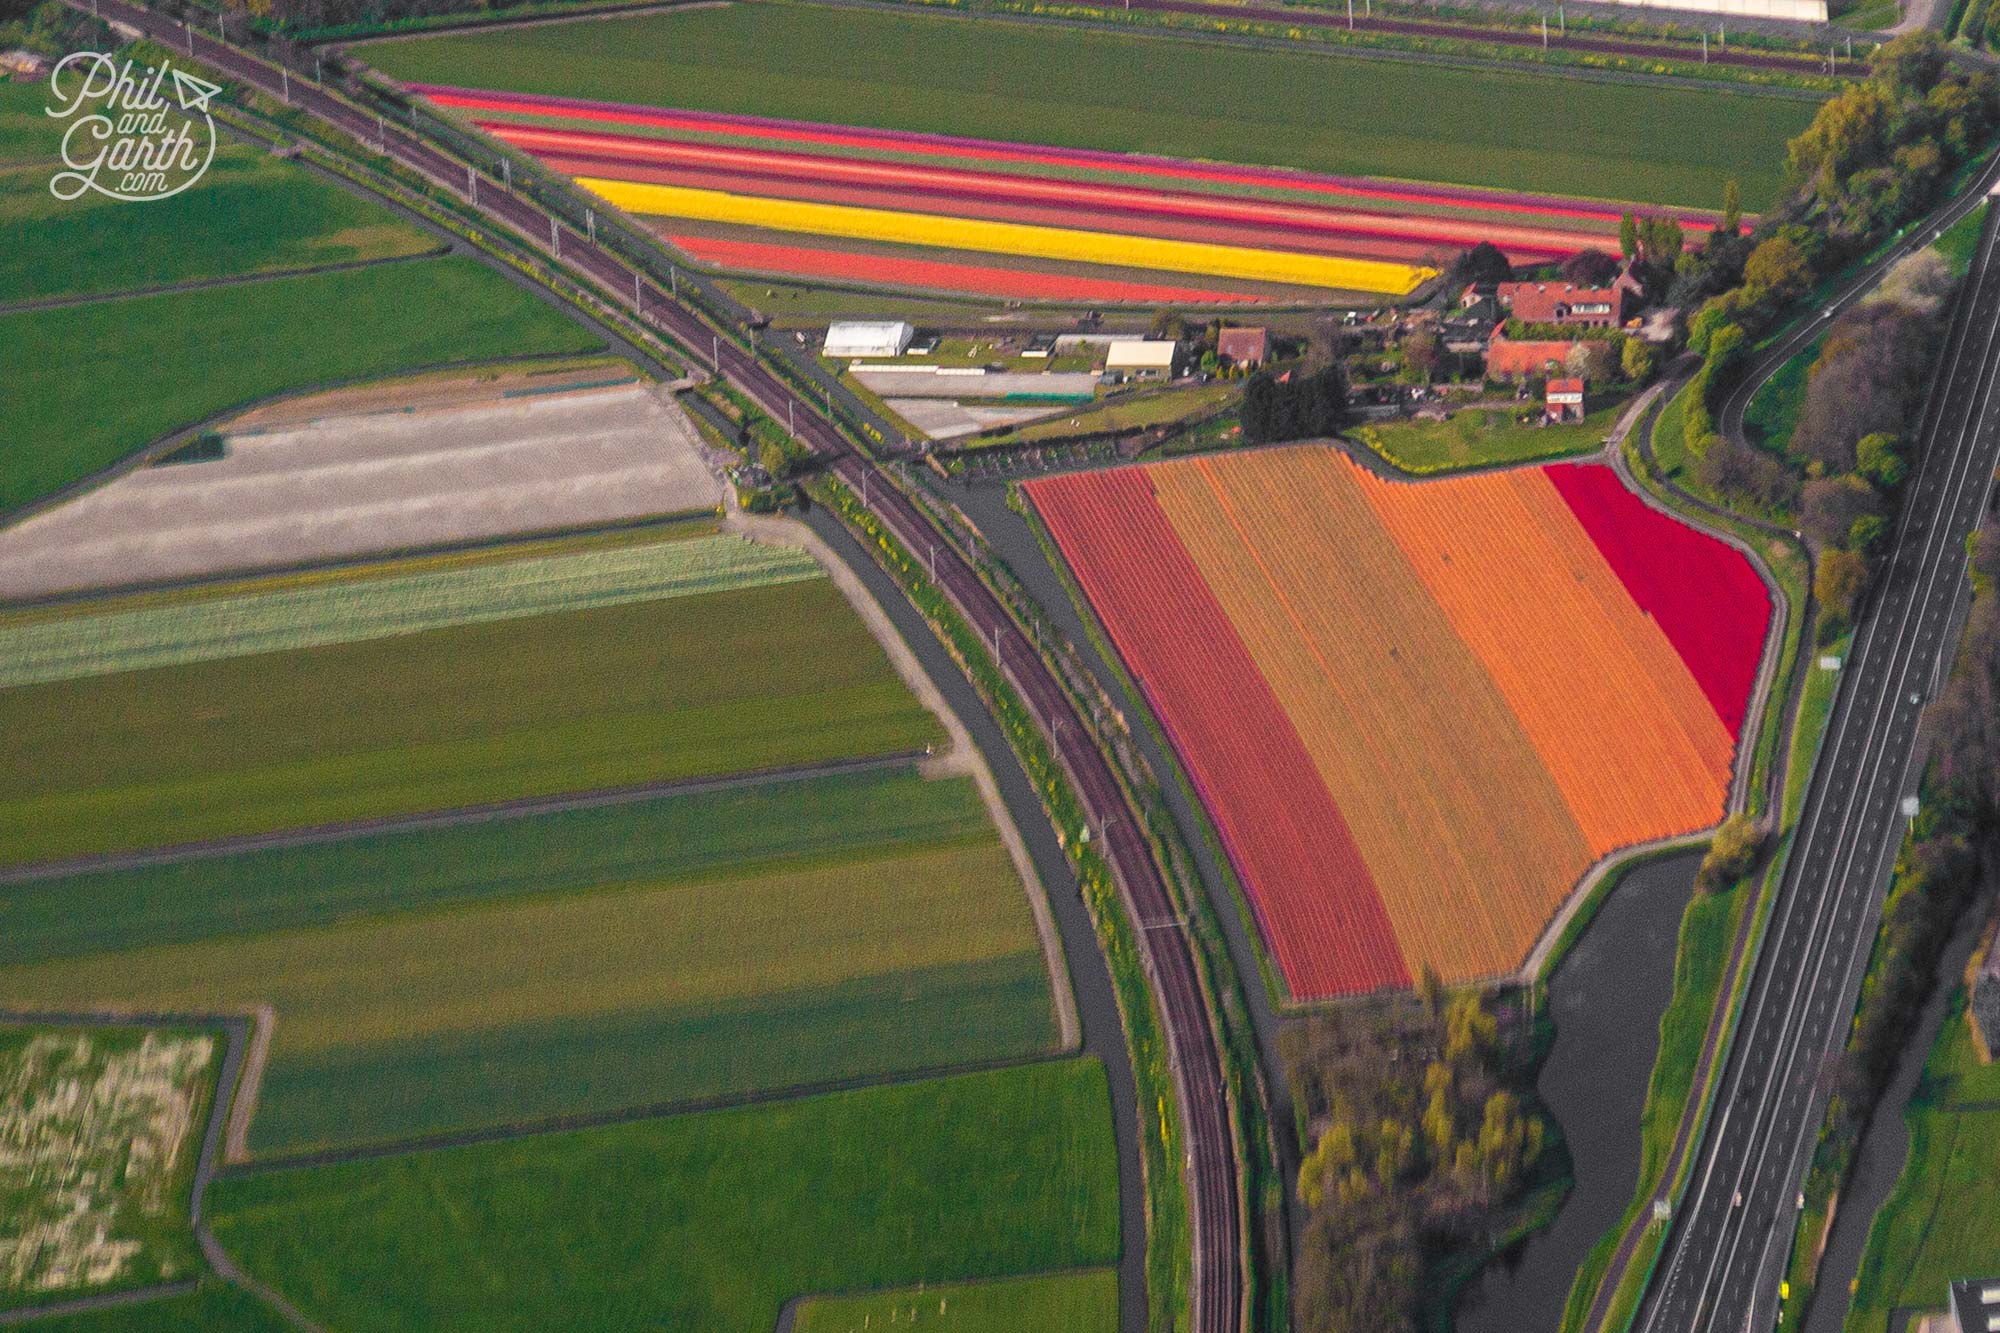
1140,354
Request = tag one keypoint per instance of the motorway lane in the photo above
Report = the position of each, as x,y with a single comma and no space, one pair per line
1730,1243
1217,1285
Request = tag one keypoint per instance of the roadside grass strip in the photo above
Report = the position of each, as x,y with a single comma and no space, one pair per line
1467,690
1074,1302
68,646
214,1305
588,960
1938,1224
537,706
1010,238
708,1221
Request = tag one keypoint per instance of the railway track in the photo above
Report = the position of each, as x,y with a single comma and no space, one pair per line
1217,1286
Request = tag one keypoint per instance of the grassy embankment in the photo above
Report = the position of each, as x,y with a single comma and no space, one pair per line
706,1221
1939,1224
1712,921
1101,90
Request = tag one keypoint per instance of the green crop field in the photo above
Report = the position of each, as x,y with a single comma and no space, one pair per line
1939,1224
1075,1302
88,385
692,946
251,212
1152,94
614,696
706,1221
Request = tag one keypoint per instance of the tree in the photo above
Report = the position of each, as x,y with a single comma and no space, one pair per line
1421,353
1469,1029
1169,324
1589,268
1779,266
1730,853
1911,65
1838,579
1660,238
1732,209
1430,990
1326,1163
1483,263
1867,533
1639,359
1593,359
1830,507
1628,231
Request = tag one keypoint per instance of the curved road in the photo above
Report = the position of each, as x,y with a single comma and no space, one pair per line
1217,1287
1730,1242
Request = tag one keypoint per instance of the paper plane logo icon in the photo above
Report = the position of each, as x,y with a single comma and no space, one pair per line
192,92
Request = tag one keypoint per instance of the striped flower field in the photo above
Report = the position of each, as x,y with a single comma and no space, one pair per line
1417,713
933,197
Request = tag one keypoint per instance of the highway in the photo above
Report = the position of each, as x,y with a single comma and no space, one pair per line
1730,1241
1217,1287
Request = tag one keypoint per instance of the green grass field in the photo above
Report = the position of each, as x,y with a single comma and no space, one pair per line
214,1305
1143,93
88,385
1482,437
706,1221
1075,1302
648,692
693,946
1939,1224
251,212
24,129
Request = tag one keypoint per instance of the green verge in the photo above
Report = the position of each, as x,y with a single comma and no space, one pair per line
1485,437
92,384
996,79
1168,1237
702,945
1939,1224
1772,413
576,701
250,213
707,1221
1076,1302
1711,922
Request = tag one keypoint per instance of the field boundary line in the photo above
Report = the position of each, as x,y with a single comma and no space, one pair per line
224,280
467,814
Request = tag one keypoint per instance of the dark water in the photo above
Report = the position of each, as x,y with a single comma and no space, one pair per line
1607,1002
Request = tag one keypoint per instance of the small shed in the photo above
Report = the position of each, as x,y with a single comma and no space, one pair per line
869,337
1564,400
1142,358
1243,347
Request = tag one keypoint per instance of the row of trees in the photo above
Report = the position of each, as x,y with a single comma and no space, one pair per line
1875,156
1420,1138
1303,405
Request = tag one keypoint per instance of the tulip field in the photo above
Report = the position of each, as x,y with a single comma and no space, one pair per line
935,200
1417,713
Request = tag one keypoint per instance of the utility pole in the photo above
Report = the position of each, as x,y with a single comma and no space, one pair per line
674,281
507,171
933,562
715,353
472,182
590,222
1722,34
1350,15
284,85
638,295
189,28
1704,46
1562,19
555,237
1545,32
792,416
